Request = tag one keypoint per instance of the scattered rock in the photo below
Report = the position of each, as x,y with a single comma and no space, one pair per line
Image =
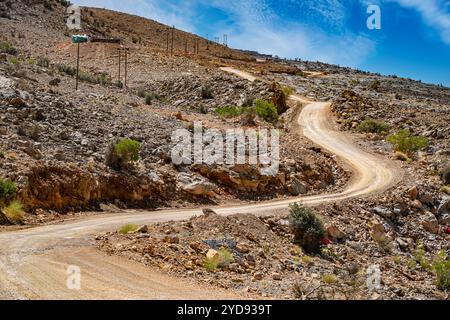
430,223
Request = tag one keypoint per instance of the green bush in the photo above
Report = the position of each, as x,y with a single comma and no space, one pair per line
230,112
128,228
405,142
69,70
48,5
148,99
7,48
288,91
14,212
43,62
122,152
65,3
441,267
307,228
207,93
266,111
14,61
374,126
8,188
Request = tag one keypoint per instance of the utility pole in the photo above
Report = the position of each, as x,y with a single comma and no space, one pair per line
225,40
126,65
78,65
119,82
77,39
167,42
171,48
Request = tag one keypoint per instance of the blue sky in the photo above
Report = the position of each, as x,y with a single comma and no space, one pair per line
414,39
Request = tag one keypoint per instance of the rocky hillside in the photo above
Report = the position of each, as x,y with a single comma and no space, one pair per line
55,140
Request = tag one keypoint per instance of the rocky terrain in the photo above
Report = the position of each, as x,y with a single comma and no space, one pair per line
55,143
55,139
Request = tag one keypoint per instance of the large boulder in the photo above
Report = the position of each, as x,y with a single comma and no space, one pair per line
195,185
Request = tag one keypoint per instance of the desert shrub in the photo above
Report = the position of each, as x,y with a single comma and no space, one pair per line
307,228
405,142
65,3
148,99
373,126
446,175
7,48
8,188
43,62
288,91
14,212
445,189
266,111
329,279
207,92
48,5
375,85
226,257
230,112
210,264
101,78
14,61
222,260
128,228
441,267
141,92
121,152
69,70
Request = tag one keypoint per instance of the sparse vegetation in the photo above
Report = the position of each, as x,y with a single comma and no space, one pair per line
48,5
43,62
441,267
374,126
307,228
207,93
230,112
128,228
8,188
445,189
329,279
288,91
266,111
65,3
222,260
69,70
375,85
7,48
14,61
14,212
405,142
101,78
122,152
210,264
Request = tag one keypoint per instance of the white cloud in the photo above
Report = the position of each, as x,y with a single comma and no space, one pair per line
436,13
257,28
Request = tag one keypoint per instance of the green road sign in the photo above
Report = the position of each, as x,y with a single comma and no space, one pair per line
79,38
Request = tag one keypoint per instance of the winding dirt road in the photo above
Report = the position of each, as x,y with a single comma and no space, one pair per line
33,263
